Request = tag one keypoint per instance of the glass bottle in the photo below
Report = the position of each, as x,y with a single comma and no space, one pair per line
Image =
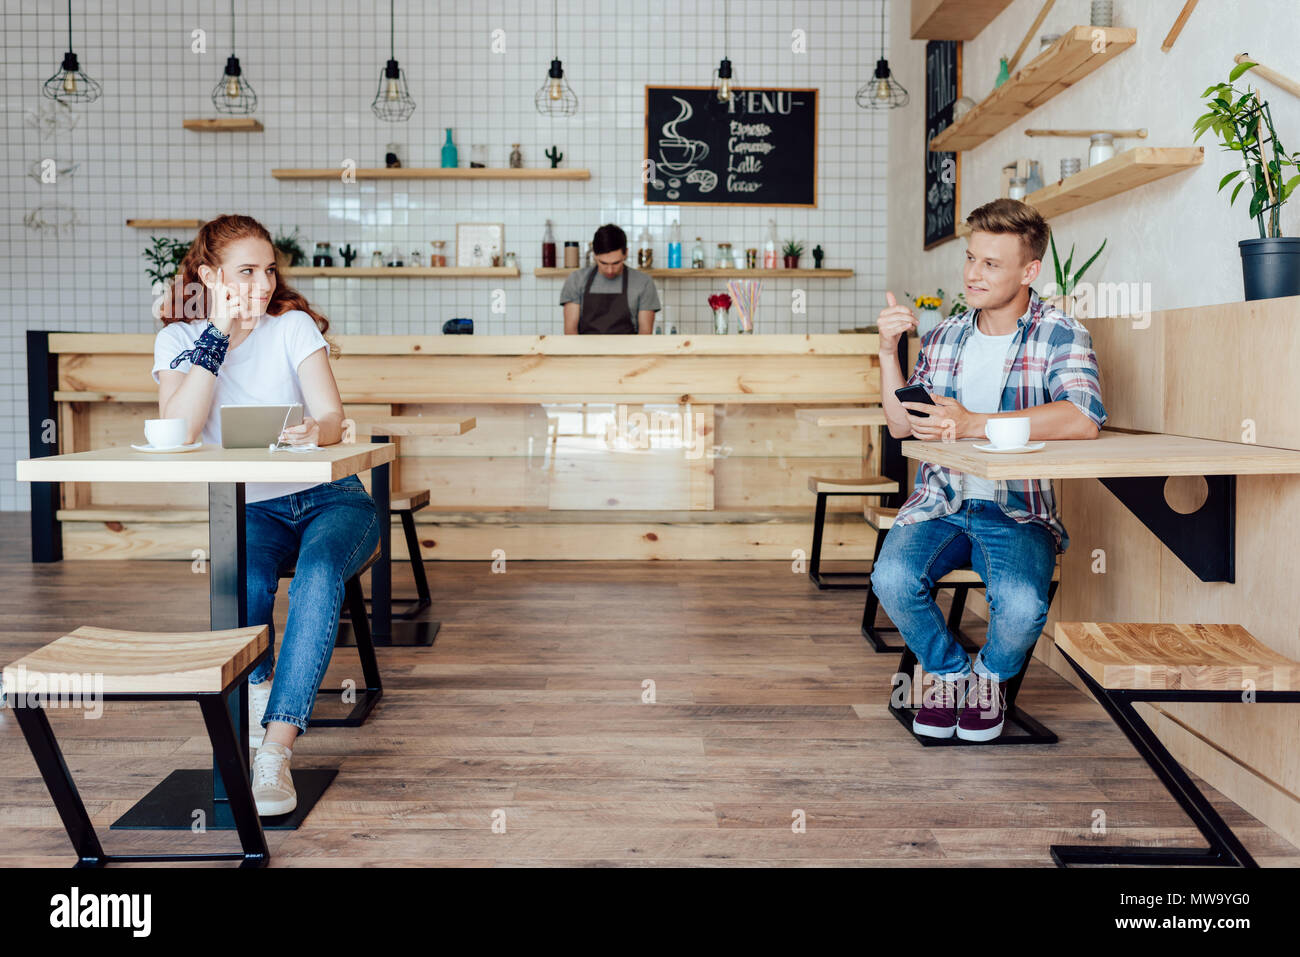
645,254
548,247
675,247
769,247
450,159
697,254
439,257
724,256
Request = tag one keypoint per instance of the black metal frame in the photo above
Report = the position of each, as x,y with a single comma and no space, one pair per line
423,597
1205,540
1030,730
231,771
42,380
368,696
826,581
1224,849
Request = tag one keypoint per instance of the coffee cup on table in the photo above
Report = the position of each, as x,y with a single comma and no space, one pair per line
165,433
1008,433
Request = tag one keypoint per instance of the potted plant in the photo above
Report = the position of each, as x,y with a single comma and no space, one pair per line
163,258
792,250
958,304
927,308
288,249
1270,265
1062,289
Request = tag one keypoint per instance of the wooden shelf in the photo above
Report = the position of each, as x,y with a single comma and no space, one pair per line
224,124
1060,66
1128,170
405,172
164,223
953,19
548,272
402,272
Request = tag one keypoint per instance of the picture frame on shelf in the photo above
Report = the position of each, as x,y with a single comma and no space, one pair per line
480,244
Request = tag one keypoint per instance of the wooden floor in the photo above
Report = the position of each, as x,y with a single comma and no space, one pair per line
529,706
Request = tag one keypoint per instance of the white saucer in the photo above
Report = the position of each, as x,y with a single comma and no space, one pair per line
170,448
1031,447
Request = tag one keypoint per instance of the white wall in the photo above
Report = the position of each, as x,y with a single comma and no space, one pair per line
315,66
1176,234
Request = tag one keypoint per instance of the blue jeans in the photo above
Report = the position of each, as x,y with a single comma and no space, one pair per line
1016,561
330,530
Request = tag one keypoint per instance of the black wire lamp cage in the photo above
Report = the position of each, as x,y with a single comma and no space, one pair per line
70,84
392,102
233,93
555,97
882,91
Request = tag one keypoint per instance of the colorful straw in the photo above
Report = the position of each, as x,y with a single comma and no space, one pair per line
744,295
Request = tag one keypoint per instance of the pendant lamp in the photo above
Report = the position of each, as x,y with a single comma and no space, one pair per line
556,97
233,93
392,102
69,84
722,76
882,92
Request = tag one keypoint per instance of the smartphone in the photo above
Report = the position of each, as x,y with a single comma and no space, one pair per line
914,393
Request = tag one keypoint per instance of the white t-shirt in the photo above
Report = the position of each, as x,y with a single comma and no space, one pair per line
983,362
261,370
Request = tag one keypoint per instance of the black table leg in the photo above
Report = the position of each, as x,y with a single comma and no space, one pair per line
384,632
189,797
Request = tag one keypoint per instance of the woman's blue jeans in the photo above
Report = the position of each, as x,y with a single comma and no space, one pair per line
329,530
1016,561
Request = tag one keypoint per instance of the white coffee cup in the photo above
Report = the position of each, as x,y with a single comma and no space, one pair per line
1011,433
165,433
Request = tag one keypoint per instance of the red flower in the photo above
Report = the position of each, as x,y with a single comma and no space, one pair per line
720,301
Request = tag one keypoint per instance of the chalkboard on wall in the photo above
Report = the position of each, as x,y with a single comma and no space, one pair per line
759,150
942,170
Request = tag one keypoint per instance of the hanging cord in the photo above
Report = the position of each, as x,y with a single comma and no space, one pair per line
232,27
555,26
392,32
882,29
69,24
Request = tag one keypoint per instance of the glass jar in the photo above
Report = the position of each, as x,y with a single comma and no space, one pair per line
724,256
571,255
477,156
417,258
376,259
322,257
1046,40
751,258
1101,148
1070,166
511,261
1017,188
1102,13
439,256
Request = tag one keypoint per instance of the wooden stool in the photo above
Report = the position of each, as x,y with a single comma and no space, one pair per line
1124,663
406,503
202,666
824,488
368,696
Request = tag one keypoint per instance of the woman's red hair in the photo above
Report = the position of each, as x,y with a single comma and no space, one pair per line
208,249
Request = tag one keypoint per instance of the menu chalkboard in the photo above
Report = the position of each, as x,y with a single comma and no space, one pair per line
758,150
942,170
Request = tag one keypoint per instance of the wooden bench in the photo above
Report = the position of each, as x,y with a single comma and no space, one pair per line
368,696
202,666
961,581
824,487
1120,663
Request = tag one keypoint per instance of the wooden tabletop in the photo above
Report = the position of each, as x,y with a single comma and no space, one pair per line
1111,455
417,425
208,464
869,415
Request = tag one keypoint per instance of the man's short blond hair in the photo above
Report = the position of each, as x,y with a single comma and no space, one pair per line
1013,216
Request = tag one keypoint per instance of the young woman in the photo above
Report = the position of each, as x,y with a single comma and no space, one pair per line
254,340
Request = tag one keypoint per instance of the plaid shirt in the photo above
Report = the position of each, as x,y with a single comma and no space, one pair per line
1051,359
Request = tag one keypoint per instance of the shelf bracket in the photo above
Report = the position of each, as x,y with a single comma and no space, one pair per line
1204,540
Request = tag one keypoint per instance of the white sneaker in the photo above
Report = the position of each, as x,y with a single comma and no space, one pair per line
258,696
273,789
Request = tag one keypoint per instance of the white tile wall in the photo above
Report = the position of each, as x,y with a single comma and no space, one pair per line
315,65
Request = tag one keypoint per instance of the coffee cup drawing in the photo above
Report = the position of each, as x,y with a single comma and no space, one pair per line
165,433
679,153
1008,433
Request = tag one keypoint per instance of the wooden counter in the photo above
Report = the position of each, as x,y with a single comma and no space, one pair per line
586,447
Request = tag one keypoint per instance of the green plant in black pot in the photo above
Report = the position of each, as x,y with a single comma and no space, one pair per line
289,246
1244,124
1066,281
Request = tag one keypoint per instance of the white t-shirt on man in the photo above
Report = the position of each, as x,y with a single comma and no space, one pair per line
983,363
261,370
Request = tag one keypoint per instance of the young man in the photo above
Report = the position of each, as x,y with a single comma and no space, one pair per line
609,298
1009,355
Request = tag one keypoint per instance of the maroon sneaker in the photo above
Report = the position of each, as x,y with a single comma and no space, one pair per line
983,710
937,716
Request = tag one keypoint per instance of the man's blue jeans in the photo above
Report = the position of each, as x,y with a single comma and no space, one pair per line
1016,561
330,530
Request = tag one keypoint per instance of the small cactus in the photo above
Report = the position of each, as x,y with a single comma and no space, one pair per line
348,254
554,155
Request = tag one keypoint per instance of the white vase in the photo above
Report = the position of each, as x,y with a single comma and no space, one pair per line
927,319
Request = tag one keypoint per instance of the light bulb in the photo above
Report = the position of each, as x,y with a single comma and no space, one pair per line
557,88
232,87
882,90
724,90
393,92
69,83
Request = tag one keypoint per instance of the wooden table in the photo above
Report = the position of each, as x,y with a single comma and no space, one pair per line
383,631
1134,466
868,415
172,803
